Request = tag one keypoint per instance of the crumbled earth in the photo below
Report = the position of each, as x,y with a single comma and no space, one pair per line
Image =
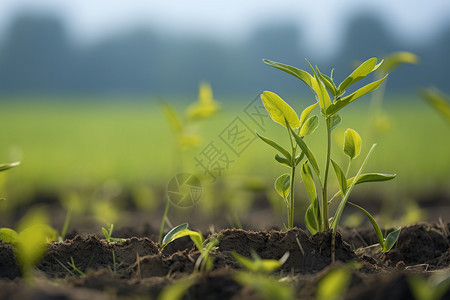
138,268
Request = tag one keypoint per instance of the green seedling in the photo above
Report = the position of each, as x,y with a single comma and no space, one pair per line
62,234
258,265
439,101
331,99
107,232
30,240
283,114
76,272
204,107
204,261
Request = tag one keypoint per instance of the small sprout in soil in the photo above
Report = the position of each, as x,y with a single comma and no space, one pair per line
108,233
258,265
30,240
204,261
334,284
331,100
76,272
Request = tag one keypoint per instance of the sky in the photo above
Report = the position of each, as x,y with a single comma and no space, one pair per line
320,22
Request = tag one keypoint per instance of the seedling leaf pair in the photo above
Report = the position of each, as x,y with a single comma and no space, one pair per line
258,265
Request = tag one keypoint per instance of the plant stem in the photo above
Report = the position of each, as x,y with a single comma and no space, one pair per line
291,199
325,224
163,222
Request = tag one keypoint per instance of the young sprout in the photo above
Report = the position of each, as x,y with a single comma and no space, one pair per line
107,232
258,265
30,240
204,261
331,99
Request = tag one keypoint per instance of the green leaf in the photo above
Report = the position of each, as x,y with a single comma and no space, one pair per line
305,149
329,84
306,112
374,223
390,240
312,218
266,287
299,158
352,143
340,177
368,177
282,185
308,181
279,110
300,74
194,235
371,177
168,237
321,93
341,103
309,126
259,265
4,167
359,73
283,160
335,120
8,235
276,146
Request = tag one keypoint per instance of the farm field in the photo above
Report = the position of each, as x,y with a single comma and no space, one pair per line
79,145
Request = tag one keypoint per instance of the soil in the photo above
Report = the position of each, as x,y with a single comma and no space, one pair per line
142,271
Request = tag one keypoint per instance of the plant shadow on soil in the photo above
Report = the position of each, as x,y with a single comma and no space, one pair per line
142,270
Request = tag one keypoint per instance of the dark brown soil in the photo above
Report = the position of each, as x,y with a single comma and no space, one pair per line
141,270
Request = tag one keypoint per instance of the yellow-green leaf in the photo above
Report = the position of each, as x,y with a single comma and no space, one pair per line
300,74
282,185
9,235
279,110
352,143
309,126
306,112
341,103
359,73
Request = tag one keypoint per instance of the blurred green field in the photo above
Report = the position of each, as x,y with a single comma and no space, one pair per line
81,145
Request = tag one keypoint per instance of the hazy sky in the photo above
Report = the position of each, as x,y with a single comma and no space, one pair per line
321,22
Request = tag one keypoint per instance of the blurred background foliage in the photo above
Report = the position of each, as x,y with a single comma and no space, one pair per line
87,124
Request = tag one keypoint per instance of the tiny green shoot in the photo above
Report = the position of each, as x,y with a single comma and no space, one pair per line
266,286
258,265
204,261
107,232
